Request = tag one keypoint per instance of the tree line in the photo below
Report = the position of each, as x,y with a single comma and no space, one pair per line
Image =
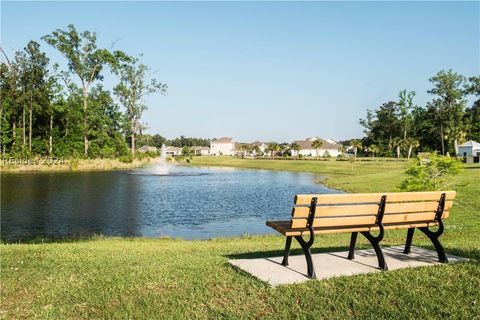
400,128
46,110
157,140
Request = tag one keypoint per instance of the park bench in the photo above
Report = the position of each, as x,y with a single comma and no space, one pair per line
364,213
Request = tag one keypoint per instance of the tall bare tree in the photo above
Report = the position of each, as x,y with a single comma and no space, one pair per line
450,105
34,78
10,84
405,108
84,59
133,87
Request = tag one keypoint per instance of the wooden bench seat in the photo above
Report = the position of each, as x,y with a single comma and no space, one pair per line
364,213
284,228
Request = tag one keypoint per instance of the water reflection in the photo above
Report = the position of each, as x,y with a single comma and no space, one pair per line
194,203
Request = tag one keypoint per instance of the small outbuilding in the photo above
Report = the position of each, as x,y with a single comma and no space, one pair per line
469,149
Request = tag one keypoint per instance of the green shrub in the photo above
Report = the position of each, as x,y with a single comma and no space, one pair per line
107,151
94,151
73,164
430,173
128,158
146,155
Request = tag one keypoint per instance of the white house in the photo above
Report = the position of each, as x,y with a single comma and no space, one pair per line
469,149
222,146
173,151
200,151
328,148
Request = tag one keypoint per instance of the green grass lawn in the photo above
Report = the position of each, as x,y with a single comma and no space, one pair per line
115,278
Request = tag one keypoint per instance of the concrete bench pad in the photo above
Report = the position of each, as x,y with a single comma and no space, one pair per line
335,264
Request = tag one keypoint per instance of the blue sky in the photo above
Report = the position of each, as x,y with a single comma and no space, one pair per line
268,70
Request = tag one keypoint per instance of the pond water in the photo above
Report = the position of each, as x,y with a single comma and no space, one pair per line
191,203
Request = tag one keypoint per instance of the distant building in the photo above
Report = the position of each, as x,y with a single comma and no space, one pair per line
223,146
147,149
328,148
469,149
173,151
200,151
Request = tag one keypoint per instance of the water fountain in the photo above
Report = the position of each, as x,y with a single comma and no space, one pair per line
163,167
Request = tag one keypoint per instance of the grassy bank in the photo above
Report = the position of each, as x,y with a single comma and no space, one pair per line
77,165
116,278
345,175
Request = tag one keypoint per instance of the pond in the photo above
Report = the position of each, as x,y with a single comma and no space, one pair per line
191,203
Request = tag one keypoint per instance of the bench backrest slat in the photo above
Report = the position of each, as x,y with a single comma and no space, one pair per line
304,199
405,207
335,221
409,217
361,209
348,210
369,209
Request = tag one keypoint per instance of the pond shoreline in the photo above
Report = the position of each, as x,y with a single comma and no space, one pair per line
146,202
78,165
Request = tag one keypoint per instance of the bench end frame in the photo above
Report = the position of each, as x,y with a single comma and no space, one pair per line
306,245
374,240
432,235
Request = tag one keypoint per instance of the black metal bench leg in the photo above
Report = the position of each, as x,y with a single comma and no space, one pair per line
308,257
353,241
375,242
288,243
433,236
408,244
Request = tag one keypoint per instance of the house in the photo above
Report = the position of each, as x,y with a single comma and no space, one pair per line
469,149
328,148
200,151
222,146
173,151
147,149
